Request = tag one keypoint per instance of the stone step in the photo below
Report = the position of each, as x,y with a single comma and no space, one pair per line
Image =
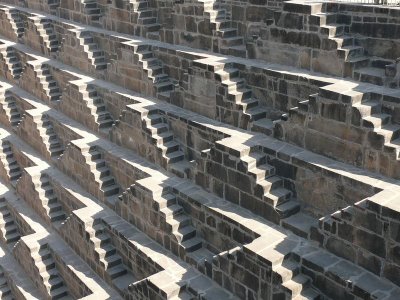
144,12
164,86
147,20
232,41
371,75
308,294
376,120
296,285
288,208
215,14
253,159
226,32
15,174
256,113
158,128
178,222
270,183
154,119
12,237
265,126
59,293
54,207
107,181
106,250
238,96
172,210
169,147
302,7
358,62
101,239
150,62
174,157
300,224
248,103
368,108
95,155
165,201
381,63
102,114
389,132
262,171
163,137
145,54
185,233
58,215
325,18
277,196
234,84
117,271
192,244
111,261
54,283
57,151
111,190
7,220
348,52
332,30
286,271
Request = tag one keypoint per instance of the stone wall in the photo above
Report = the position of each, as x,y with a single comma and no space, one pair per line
366,233
234,212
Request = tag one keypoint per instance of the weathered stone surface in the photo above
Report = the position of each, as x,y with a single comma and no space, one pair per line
184,162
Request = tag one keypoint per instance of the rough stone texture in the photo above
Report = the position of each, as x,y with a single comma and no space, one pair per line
199,150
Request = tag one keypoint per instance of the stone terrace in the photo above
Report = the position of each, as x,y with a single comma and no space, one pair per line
199,150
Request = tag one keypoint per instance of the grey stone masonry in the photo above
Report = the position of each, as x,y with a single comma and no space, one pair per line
154,149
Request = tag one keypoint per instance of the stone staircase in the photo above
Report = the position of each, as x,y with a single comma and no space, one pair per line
236,91
12,61
54,209
5,290
108,186
15,21
163,137
378,71
367,112
163,84
146,16
298,285
179,225
106,253
9,162
8,226
97,107
269,185
358,63
229,41
46,31
373,117
91,9
49,137
364,67
49,85
12,111
47,270
95,55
